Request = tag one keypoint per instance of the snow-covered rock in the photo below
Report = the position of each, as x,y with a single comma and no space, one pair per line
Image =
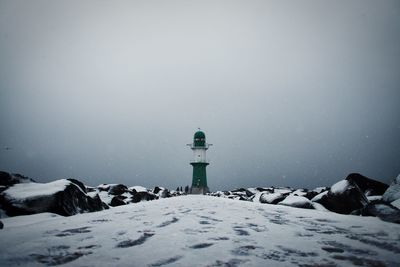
396,203
380,209
373,198
117,189
8,179
319,196
343,197
138,188
367,185
61,197
118,201
299,192
143,196
272,198
297,202
161,192
320,189
393,192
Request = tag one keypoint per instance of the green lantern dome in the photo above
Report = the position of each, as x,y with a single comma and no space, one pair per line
199,138
199,134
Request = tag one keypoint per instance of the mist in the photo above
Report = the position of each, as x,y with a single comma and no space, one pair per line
290,93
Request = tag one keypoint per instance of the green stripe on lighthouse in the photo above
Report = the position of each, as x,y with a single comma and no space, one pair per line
199,174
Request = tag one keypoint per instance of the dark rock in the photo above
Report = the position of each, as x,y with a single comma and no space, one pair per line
117,201
8,179
242,194
367,185
142,196
118,189
239,190
103,187
263,189
343,197
90,189
1,225
97,199
161,192
380,209
249,193
79,184
67,199
310,194
157,189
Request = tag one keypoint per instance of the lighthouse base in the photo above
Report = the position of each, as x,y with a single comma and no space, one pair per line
199,190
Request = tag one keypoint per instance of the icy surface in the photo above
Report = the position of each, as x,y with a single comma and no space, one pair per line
200,231
339,187
27,190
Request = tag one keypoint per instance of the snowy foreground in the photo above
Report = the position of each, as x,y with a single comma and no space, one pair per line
199,231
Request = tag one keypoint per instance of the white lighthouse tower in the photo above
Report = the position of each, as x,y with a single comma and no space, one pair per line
199,163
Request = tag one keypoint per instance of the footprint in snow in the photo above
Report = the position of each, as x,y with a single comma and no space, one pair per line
130,243
166,261
166,223
201,245
58,255
240,231
74,231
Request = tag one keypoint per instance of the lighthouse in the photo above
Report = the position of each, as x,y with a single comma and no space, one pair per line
199,163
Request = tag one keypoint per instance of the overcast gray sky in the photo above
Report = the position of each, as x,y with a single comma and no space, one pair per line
297,93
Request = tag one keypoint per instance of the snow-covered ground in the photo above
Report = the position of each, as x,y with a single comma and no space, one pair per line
199,231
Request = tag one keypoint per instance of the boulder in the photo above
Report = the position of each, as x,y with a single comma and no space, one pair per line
8,179
311,194
380,209
62,197
268,189
396,203
273,198
300,192
367,185
78,183
161,192
117,201
137,188
297,202
117,189
90,189
2,188
1,225
103,187
242,192
142,196
343,197
393,192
